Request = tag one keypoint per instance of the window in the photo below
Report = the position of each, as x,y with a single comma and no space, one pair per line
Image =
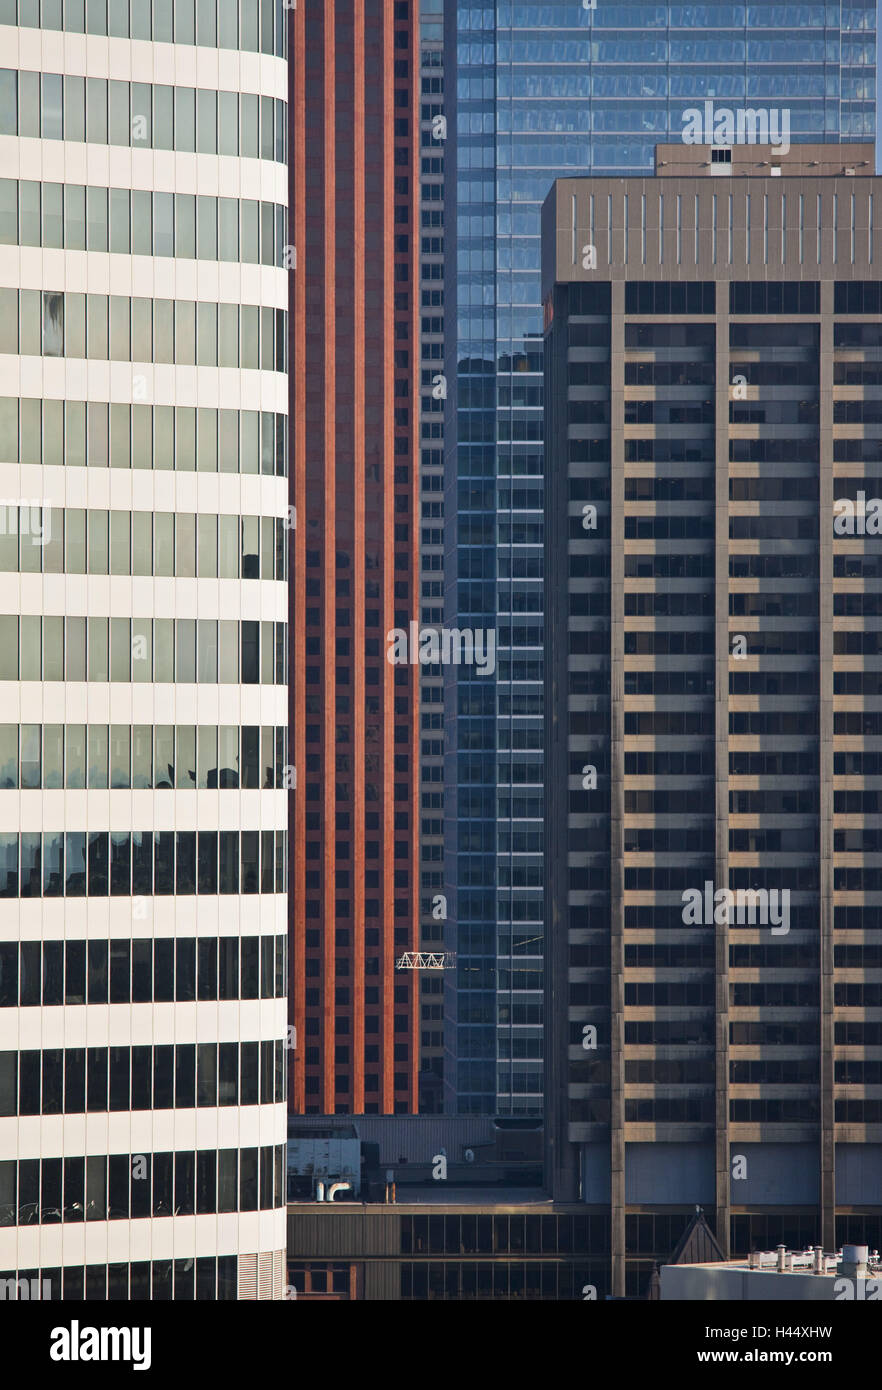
669,297
53,324
228,123
162,117
857,297
51,127
9,124
774,297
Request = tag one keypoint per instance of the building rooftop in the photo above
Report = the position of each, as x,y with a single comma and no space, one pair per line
679,160
440,1196
776,1275
784,1261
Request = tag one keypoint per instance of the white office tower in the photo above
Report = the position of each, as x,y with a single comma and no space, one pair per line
143,644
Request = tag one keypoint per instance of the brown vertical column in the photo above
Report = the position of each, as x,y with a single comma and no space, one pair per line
616,792
825,768
411,84
357,715
327,528
381,17
296,543
395,36
354,475
721,761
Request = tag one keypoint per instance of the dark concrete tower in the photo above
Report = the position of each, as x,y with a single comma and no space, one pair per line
713,408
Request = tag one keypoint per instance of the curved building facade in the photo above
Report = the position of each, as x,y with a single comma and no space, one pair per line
143,647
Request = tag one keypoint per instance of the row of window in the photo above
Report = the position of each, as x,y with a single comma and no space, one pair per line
855,683
670,297
151,756
53,323
670,802
855,955
856,765
802,450
772,566
660,722
490,1235
691,17
677,1033
141,971
805,1033
205,1279
857,802
651,373
181,545
859,722
646,642
855,1033
801,878
744,764
666,917
699,955
74,217
683,527
186,438
631,78
320,1278
857,297
651,450
756,1111
699,1108
742,994
141,863
780,297
49,106
687,489
79,1080
866,410
849,1071
122,1187
608,46
254,26
34,648
764,412
650,1071
698,838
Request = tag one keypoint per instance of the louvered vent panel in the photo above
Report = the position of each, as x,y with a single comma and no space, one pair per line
248,1276
265,1275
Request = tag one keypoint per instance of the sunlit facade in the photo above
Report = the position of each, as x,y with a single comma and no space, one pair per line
536,92
143,648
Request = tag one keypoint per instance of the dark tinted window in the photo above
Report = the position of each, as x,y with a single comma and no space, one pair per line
669,297
774,297
858,297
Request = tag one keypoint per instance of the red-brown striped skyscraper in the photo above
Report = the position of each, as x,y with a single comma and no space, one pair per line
354,889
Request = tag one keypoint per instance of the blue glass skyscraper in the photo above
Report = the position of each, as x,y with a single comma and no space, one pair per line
535,92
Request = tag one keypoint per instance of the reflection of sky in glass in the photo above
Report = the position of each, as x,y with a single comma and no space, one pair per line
878,87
